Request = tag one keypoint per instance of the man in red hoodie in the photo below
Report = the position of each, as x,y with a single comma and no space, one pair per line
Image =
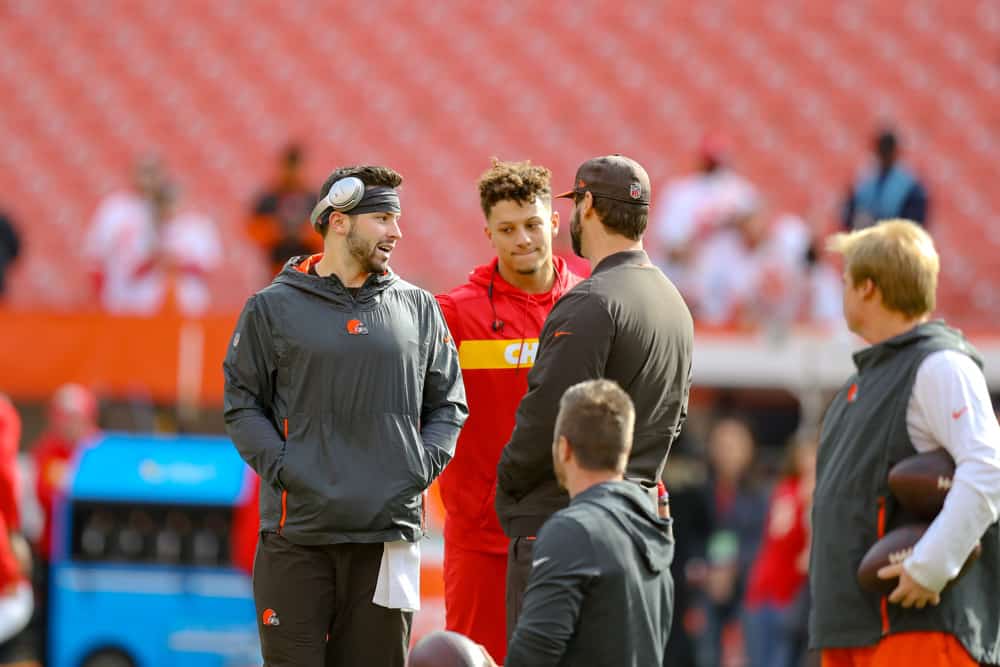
495,319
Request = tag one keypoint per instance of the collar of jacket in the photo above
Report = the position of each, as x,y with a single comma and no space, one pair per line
482,275
879,352
295,274
623,258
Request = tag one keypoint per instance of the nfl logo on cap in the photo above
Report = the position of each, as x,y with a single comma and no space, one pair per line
635,191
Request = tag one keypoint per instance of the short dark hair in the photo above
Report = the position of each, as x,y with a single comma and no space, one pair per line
597,418
370,175
517,181
886,143
291,156
628,220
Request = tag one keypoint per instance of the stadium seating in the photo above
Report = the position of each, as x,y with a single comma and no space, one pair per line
436,89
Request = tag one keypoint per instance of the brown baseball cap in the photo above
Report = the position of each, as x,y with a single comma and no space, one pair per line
613,176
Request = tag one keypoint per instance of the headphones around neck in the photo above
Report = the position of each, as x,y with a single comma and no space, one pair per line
343,195
497,325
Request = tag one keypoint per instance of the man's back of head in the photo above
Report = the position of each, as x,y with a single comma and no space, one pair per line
593,434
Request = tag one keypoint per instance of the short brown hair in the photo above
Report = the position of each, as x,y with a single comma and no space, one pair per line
622,218
370,175
597,418
898,256
517,181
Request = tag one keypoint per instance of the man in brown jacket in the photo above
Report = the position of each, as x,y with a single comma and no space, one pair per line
627,323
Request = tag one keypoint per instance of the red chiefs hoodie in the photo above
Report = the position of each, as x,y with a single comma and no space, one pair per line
495,361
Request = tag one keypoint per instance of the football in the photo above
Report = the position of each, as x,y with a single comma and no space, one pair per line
446,649
894,548
921,482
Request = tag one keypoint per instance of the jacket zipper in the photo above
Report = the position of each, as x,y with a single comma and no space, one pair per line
884,602
284,492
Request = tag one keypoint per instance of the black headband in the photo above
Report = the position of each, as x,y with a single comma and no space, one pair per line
377,199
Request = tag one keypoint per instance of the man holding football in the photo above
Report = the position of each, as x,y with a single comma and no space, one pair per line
918,387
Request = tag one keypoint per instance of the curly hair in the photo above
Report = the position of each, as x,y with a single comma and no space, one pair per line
517,181
370,175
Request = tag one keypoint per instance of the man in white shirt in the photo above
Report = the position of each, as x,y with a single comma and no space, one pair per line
139,247
918,387
693,207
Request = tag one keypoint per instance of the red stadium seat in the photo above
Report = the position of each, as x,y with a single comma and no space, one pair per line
218,88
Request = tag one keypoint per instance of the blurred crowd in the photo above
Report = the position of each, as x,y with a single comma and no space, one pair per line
738,261
741,263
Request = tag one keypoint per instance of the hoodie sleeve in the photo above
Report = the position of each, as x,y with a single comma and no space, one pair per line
573,347
563,565
249,370
451,318
444,409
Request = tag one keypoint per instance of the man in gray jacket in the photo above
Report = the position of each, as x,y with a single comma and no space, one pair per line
343,391
600,592
626,323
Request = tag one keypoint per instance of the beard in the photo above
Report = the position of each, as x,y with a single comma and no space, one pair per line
365,253
576,233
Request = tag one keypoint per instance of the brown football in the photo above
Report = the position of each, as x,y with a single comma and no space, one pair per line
921,482
894,548
446,649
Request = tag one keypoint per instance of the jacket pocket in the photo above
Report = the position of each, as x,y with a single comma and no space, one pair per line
315,499
401,454
352,473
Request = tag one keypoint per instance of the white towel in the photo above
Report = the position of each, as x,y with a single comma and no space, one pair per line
398,585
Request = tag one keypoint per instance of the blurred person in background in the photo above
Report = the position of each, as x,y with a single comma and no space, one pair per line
495,320
16,598
10,248
752,266
144,250
279,224
738,511
779,572
72,420
886,189
690,209
686,478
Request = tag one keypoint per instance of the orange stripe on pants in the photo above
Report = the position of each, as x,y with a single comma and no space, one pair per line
907,649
